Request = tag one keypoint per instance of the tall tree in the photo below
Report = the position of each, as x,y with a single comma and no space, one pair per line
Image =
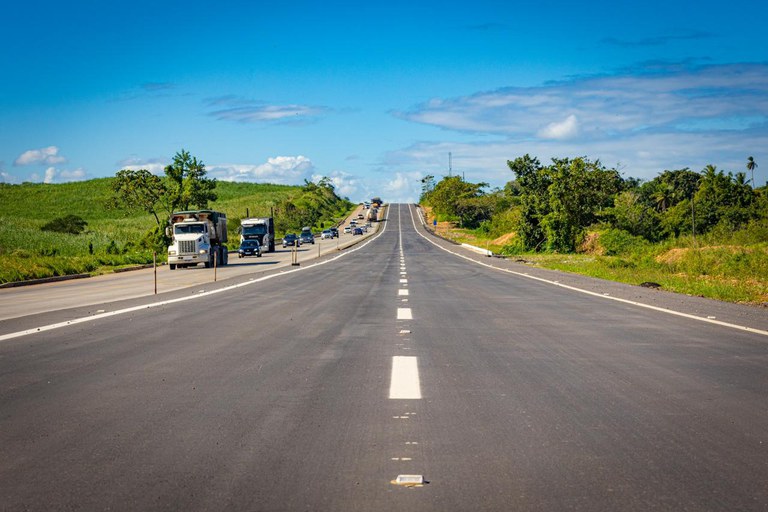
186,184
139,190
751,164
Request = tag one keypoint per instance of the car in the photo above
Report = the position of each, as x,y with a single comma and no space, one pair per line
335,232
326,234
249,248
360,216
357,231
307,238
347,229
291,239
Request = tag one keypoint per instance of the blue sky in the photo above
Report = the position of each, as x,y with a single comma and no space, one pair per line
375,96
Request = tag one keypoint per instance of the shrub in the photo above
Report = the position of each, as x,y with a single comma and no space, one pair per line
71,224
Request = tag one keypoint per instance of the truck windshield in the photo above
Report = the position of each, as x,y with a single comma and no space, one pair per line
258,229
180,229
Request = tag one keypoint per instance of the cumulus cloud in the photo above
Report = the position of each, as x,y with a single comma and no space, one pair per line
154,165
7,178
345,184
42,156
283,170
566,129
54,175
230,108
643,120
652,98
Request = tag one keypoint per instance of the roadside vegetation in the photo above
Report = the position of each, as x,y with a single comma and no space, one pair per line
99,225
700,233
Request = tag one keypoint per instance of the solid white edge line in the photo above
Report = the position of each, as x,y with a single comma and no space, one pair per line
594,294
151,305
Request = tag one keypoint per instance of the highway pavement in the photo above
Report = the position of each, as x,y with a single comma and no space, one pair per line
325,386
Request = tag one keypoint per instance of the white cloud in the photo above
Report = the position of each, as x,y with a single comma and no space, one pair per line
43,156
641,121
248,111
669,99
54,175
345,184
154,165
565,129
284,170
7,178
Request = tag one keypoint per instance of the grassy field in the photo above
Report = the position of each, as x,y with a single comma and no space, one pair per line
728,266
111,238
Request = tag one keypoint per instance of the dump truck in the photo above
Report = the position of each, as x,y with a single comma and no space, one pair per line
372,215
261,229
197,236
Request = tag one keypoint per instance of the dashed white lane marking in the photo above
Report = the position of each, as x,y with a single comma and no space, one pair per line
594,294
402,291
404,384
403,281
404,314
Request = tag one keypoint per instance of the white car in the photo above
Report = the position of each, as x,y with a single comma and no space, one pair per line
347,229
326,234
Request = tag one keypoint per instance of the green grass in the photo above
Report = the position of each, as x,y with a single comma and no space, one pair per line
111,238
725,265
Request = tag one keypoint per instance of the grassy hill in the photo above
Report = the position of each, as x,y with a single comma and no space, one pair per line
112,237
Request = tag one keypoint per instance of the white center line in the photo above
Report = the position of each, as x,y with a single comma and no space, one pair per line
402,292
405,384
404,314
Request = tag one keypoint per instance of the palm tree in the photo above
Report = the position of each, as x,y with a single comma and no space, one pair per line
751,167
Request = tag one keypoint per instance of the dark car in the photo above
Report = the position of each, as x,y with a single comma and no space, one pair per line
307,238
357,231
291,239
335,232
249,248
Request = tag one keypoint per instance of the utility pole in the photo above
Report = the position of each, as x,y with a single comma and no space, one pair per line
450,168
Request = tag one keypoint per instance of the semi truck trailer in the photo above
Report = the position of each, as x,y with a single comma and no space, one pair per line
197,236
261,229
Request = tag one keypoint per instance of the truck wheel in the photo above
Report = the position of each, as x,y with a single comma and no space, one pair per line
271,247
172,266
224,256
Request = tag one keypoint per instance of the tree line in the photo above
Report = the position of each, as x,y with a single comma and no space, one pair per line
552,206
185,186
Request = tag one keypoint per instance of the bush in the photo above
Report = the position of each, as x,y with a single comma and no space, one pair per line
618,241
71,224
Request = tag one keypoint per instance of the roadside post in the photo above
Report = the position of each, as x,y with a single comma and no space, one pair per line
215,261
154,265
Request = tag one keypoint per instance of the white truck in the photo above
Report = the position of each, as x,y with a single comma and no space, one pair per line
198,236
261,229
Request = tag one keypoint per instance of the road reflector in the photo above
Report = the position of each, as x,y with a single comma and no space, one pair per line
409,480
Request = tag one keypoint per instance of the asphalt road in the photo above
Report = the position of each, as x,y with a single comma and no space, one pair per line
40,298
397,358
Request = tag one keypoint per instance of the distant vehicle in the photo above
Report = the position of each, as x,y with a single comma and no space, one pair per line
360,216
261,229
335,232
307,238
357,231
249,248
347,229
291,239
366,205
326,234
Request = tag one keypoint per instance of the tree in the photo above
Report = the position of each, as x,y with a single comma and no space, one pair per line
139,190
579,191
751,164
186,184
531,186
